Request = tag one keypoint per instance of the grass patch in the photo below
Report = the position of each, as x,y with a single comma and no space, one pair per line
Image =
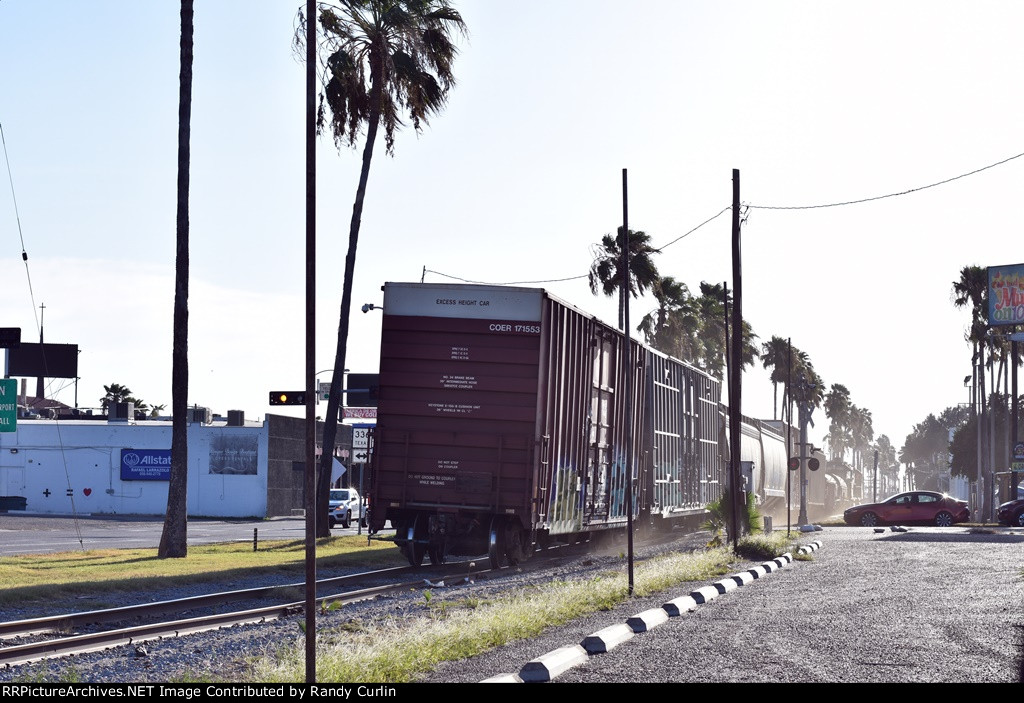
762,546
69,574
396,650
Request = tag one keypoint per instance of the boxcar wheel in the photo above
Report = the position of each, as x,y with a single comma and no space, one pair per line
413,550
496,544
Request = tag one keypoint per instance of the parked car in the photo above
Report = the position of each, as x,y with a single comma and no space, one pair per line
1012,513
914,506
342,505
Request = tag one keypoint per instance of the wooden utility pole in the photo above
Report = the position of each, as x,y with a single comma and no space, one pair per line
736,367
628,370
311,467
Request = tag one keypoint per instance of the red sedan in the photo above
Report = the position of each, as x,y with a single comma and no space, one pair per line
915,506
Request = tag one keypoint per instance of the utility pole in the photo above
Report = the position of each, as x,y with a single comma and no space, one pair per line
805,411
628,369
736,367
311,464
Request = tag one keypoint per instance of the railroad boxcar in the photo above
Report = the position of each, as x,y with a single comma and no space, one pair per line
502,423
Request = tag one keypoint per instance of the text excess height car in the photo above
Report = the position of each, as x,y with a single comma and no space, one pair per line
1012,513
915,506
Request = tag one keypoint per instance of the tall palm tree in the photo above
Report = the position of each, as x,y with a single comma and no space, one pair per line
971,290
674,327
173,539
711,310
606,270
775,354
379,58
838,409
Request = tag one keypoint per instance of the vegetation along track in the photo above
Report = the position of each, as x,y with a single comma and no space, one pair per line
62,634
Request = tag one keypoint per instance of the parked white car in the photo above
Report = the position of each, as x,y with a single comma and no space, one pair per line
342,505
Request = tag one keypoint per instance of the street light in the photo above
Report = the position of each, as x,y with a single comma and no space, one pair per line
367,307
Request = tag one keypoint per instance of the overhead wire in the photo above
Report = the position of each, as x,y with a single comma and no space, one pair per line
32,298
575,278
887,195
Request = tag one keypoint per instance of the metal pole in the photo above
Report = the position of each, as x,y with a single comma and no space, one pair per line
310,502
1013,418
628,368
874,480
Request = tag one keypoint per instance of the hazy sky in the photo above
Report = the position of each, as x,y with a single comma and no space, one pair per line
814,102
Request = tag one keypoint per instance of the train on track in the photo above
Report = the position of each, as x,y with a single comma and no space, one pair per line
502,425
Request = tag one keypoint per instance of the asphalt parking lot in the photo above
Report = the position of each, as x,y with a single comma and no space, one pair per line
926,605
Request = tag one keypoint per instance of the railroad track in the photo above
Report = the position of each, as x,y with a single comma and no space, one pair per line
12,654
63,645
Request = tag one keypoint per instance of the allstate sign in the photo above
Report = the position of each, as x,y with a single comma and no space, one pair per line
145,464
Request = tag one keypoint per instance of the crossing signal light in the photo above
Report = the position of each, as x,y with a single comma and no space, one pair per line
794,463
287,397
813,464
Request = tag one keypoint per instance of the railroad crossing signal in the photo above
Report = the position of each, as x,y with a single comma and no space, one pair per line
287,397
812,463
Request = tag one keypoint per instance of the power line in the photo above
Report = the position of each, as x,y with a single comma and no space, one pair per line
727,208
721,212
887,195
510,283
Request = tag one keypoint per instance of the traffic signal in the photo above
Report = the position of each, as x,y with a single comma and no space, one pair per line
287,397
361,390
794,463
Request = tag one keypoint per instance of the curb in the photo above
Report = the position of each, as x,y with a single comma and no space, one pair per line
550,665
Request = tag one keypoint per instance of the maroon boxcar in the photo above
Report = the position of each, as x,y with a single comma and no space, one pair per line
502,423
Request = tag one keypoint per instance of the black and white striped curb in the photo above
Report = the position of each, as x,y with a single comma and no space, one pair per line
552,664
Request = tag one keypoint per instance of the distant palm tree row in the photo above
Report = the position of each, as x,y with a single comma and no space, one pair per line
693,328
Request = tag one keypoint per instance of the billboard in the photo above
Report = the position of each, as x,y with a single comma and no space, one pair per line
1006,295
43,360
145,464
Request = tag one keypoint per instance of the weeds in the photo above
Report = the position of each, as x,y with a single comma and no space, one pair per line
395,650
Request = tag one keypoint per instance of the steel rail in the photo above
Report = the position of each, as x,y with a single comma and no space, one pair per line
80,644
70,621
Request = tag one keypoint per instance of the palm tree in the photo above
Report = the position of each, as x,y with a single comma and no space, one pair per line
838,409
606,270
971,290
379,58
711,311
114,393
173,539
775,355
674,327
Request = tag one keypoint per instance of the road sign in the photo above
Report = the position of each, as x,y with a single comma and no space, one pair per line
324,391
360,438
8,404
360,456
1018,451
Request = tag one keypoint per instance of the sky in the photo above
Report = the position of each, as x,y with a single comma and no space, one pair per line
814,103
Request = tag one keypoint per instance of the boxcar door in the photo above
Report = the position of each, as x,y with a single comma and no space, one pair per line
602,422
